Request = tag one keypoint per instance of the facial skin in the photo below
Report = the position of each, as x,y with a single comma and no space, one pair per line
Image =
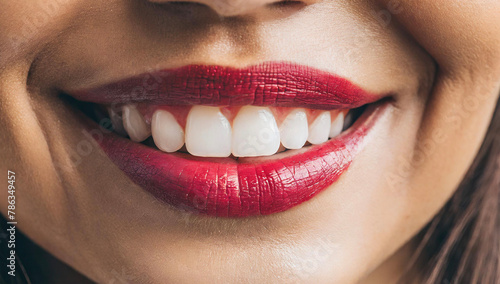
439,61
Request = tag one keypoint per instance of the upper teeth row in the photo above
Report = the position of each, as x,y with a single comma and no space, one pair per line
208,133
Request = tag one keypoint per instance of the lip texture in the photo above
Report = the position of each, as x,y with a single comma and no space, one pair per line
225,187
270,84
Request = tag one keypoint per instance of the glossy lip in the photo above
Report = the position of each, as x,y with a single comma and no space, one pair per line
224,187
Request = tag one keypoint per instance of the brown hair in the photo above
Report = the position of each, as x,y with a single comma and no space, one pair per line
462,243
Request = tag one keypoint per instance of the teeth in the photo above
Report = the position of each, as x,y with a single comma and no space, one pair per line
167,133
208,132
337,125
294,130
117,122
255,133
320,128
348,121
134,124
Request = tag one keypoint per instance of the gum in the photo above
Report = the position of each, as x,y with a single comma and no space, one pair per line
181,112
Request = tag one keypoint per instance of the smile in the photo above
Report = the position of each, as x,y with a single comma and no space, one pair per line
229,142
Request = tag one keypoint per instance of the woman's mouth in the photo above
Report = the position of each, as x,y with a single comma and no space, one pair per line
230,142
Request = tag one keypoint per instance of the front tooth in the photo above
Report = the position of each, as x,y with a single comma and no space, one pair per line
255,132
320,128
134,124
167,133
294,130
337,125
208,132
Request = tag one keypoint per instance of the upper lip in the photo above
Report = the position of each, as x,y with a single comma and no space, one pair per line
278,84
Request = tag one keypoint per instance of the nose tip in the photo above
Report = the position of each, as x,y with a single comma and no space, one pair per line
230,8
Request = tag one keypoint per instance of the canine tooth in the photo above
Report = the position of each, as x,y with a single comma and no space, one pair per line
117,122
134,124
255,132
337,125
208,132
294,130
167,133
320,128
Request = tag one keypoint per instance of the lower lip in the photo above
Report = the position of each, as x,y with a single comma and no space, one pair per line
224,187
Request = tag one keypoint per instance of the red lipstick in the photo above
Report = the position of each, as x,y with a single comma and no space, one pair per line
225,187
271,84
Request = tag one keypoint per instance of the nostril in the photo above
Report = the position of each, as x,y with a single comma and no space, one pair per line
286,4
183,8
230,8
185,4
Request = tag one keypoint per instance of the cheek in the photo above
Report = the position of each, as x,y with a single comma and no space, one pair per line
460,36
451,134
463,40
28,26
